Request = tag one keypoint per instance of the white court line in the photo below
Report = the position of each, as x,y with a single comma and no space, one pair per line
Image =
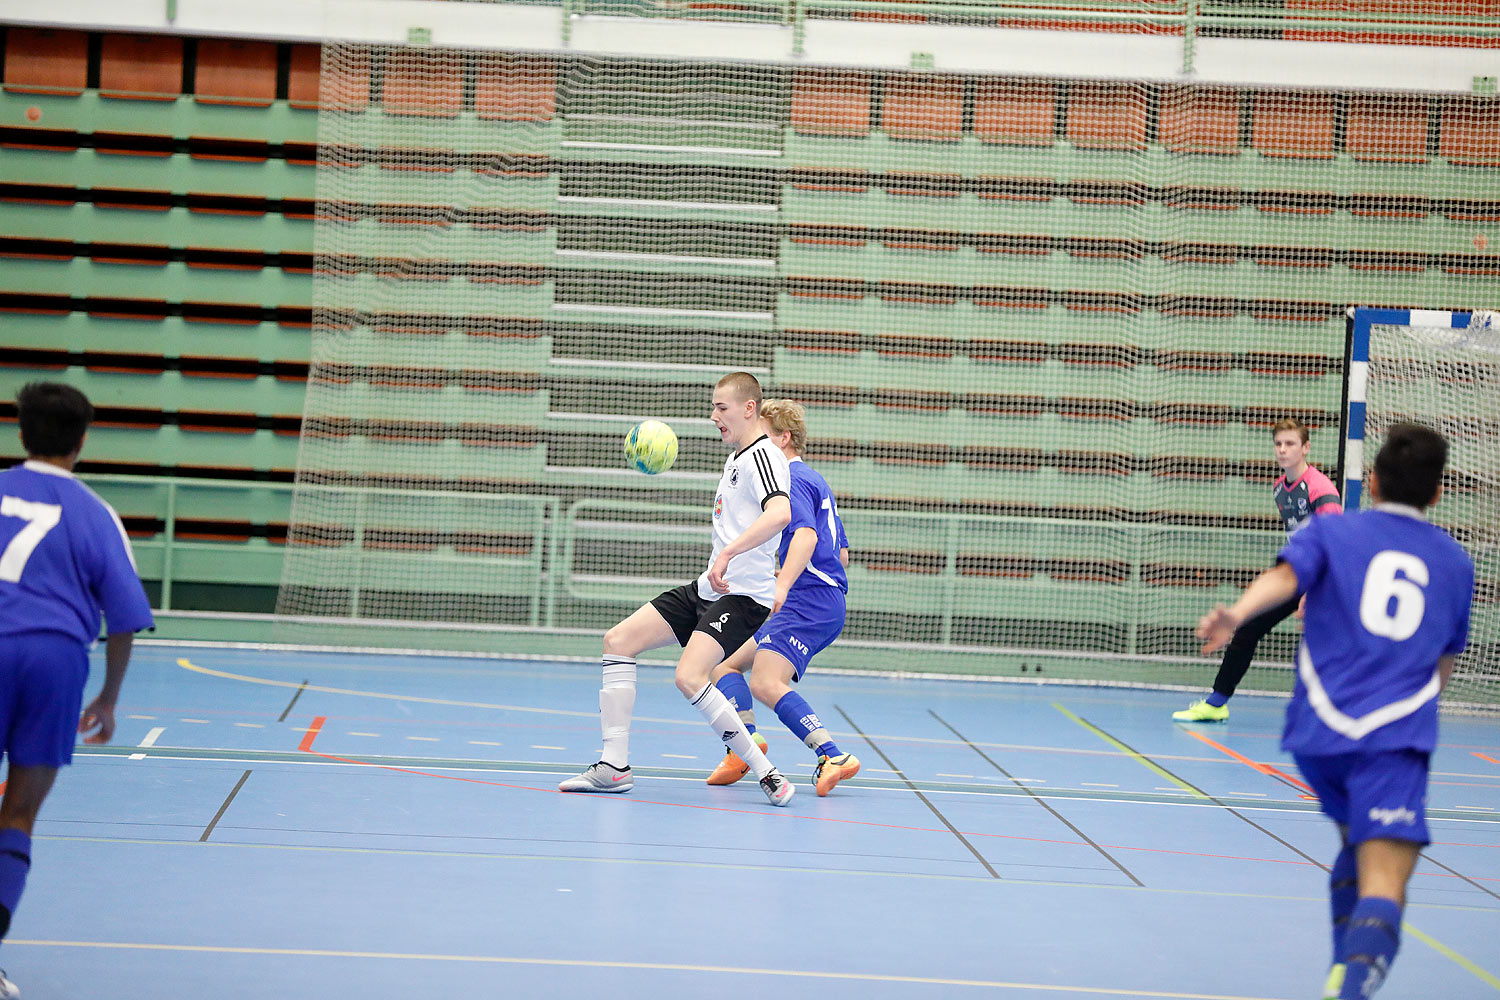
361,734
1097,784
1258,795
424,739
483,743
679,756
649,966
196,722
538,746
942,774
152,736
137,756
147,717
251,725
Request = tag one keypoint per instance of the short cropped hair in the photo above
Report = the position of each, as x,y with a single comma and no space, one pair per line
53,418
785,415
1410,464
746,387
1289,424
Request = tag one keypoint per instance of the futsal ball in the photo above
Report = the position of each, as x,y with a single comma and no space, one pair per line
651,447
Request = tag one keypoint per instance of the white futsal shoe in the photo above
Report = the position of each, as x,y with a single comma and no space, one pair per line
777,788
8,989
600,777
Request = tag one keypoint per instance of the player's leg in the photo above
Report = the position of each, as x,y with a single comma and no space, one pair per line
771,683
1327,776
1388,826
25,790
729,678
646,628
724,627
1236,662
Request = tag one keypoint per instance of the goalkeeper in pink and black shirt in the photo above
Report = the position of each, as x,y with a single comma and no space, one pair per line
1301,493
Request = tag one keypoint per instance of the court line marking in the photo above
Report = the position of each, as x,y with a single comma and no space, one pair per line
1132,753
1467,964
208,830
868,977
1040,801
311,733
741,866
322,689
1266,769
1483,756
923,798
152,735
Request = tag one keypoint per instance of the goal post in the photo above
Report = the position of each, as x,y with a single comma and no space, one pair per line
1442,369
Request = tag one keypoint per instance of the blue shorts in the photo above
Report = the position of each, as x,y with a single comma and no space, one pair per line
807,624
1380,795
42,676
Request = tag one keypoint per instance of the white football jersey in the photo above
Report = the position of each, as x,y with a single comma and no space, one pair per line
751,478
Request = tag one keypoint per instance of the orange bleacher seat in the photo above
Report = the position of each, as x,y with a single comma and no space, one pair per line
236,72
1292,124
1015,112
1107,116
831,102
1200,119
1387,128
43,61
1470,133
141,67
511,88
302,76
417,83
923,107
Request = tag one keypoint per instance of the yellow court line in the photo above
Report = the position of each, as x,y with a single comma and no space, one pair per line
186,665
648,966
1157,768
1464,963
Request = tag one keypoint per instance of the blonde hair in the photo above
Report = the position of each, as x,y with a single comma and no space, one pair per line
745,386
1290,424
783,415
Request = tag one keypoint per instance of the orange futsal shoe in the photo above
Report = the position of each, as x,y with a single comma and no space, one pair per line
732,768
832,770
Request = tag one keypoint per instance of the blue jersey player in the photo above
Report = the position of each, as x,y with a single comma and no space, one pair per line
1388,598
64,558
808,613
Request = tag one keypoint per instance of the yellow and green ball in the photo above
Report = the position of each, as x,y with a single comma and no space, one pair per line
651,447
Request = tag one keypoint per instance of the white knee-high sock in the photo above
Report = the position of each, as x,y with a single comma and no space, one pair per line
726,724
616,703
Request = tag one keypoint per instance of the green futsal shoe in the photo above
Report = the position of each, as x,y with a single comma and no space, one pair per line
1334,983
1202,711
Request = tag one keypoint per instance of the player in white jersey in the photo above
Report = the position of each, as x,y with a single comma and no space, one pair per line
807,616
713,616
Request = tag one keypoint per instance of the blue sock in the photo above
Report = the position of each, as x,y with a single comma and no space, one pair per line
15,862
797,715
734,687
1217,700
1370,943
1343,893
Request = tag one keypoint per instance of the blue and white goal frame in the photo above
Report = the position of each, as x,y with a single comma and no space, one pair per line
1357,377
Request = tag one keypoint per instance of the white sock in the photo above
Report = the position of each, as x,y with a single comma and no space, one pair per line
616,703
725,721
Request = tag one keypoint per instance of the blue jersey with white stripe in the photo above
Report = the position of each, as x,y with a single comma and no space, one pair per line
1387,595
64,558
813,507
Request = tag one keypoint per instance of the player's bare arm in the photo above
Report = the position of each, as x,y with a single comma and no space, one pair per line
776,516
98,718
1275,586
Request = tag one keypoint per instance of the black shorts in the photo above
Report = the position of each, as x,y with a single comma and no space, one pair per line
729,620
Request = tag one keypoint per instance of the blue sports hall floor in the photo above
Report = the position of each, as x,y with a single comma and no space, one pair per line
281,823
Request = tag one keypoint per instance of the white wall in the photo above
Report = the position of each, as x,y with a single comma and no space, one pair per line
828,43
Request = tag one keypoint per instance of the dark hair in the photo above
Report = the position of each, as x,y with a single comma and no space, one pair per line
53,418
1410,464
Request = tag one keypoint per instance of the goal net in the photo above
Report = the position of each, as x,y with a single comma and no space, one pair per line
1441,369
1042,329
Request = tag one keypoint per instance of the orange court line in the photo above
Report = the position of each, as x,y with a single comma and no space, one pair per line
312,733
1483,756
1262,768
